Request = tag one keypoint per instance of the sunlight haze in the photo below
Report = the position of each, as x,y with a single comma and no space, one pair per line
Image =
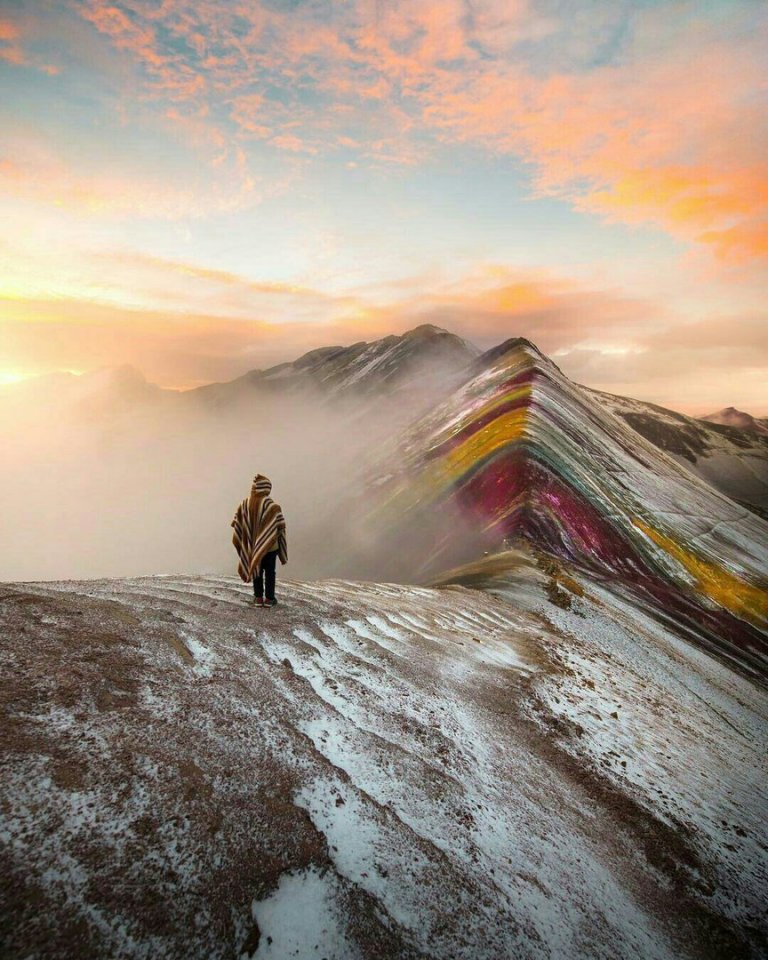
200,189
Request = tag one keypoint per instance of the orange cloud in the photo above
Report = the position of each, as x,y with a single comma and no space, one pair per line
676,140
12,51
135,34
292,143
495,303
224,277
179,351
669,131
741,243
252,323
8,31
489,304
10,47
191,287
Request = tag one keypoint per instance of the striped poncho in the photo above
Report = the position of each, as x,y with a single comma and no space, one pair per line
259,527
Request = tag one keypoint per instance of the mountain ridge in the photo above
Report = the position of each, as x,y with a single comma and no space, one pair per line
520,451
335,413
732,460
313,360
364,366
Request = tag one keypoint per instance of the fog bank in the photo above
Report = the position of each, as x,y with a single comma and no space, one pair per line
113,477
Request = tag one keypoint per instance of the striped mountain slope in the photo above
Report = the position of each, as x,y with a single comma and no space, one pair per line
521,452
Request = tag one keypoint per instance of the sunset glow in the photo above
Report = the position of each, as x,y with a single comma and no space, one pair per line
200,188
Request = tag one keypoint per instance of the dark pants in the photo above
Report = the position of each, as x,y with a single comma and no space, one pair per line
267,573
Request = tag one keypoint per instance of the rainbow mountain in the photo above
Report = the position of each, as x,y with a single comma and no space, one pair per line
519,453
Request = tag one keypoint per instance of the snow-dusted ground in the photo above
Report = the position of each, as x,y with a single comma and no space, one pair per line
372,770
667,723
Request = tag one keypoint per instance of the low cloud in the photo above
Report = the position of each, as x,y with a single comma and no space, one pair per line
251,324
696,368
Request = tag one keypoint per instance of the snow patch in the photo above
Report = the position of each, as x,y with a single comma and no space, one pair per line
205,659
302,919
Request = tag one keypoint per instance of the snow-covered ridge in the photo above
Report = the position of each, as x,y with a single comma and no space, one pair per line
392,364
370,770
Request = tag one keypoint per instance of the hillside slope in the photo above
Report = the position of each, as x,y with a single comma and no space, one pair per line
371,770
730,456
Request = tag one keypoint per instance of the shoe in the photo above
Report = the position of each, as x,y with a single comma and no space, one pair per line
259,601
270,603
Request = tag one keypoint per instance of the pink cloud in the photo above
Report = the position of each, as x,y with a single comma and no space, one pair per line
670,133
34,172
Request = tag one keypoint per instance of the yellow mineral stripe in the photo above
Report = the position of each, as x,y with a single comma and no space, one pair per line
438,475
746,600
522,393
494,435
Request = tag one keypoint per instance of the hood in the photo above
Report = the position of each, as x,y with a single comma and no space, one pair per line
261,486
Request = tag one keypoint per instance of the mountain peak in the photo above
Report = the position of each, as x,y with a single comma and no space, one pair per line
733,417
518,349
122,375
425,330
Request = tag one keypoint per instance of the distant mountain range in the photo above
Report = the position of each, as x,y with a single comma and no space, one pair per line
412,361
733,459
410,373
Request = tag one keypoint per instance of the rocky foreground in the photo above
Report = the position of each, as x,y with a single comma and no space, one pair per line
372,770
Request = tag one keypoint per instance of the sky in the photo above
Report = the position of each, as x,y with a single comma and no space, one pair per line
203,188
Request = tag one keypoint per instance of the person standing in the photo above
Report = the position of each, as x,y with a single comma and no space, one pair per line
260,538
